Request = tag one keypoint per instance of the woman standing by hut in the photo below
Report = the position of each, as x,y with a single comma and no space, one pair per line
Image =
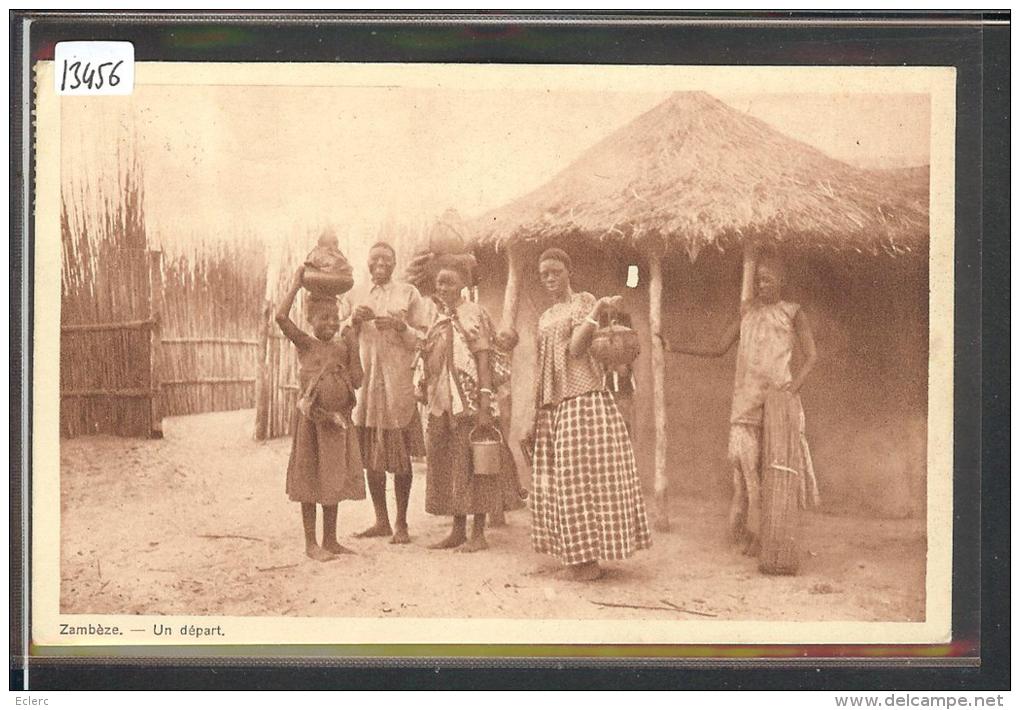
586,497
459,397
768,331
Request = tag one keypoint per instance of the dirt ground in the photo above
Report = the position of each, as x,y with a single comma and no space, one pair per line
198,523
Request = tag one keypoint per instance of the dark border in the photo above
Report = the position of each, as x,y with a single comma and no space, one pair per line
20,352
981,418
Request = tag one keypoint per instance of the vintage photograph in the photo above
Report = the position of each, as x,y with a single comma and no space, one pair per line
648,350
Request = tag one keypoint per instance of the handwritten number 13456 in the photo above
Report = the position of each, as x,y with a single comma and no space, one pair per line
76,75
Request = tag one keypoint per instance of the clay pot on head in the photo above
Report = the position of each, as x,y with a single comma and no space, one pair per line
445,237
328,283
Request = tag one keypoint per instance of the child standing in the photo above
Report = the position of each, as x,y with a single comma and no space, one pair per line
768,330
325,460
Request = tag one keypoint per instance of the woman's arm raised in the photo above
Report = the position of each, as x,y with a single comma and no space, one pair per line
726,341
580,338
289,328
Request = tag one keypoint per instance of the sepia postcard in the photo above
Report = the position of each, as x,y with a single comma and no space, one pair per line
358,355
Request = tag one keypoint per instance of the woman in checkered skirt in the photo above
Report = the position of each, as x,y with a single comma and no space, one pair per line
586,498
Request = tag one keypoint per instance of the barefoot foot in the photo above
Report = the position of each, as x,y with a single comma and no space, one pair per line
336,548
449,542
585,572
474,544
400,537
318,554
377,530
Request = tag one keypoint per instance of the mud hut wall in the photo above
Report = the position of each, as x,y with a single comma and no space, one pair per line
865,402
869,404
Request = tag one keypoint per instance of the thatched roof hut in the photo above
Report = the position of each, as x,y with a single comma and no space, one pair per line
693,178
694,172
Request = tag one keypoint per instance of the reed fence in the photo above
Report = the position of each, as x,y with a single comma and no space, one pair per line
277,385
209,351
146,334
109,323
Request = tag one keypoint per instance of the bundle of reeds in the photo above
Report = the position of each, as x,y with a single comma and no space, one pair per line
107,384
783,484
104,272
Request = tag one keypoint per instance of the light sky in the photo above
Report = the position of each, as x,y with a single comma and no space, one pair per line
276,162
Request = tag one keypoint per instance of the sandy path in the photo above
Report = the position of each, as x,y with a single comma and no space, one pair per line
134,513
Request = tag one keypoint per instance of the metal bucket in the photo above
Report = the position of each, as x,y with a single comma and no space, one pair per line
486,454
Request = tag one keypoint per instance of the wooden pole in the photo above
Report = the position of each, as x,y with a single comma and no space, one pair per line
660,519
511,297
262,400
155,342
747,278
508,321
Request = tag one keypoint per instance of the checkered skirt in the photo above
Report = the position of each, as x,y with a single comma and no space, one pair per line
586,498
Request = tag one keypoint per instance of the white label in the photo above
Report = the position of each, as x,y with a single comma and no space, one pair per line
94,68
632,276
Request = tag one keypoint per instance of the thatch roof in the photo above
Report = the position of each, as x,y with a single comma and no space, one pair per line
694,172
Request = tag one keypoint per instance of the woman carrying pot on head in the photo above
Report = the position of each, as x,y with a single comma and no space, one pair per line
586,498
458,399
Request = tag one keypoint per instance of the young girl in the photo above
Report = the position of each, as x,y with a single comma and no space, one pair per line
768,329
325,460
458,399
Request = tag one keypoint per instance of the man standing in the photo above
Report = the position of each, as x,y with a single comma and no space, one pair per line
390,319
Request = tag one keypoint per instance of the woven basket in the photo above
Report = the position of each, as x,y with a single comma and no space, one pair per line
615,345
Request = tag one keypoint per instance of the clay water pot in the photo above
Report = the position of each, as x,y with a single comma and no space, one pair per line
445,238
327,283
